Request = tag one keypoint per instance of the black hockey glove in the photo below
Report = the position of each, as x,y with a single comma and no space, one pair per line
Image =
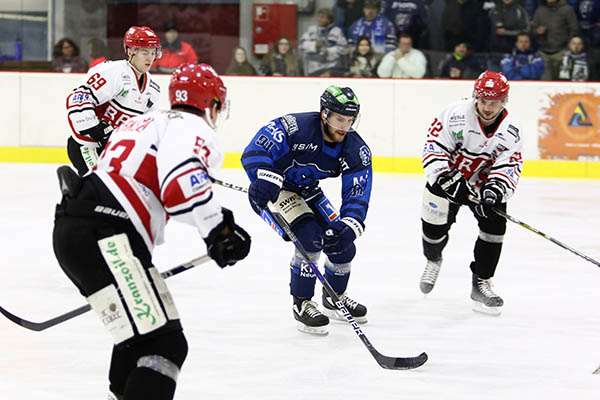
227,243
100,133
492,195
455,187
265,188
340,235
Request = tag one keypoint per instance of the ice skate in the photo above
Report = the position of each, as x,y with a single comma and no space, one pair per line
310,319
357,310
432,269
484,299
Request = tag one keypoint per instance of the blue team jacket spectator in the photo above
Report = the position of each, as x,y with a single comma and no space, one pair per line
409,16
522,65
588,16
380,31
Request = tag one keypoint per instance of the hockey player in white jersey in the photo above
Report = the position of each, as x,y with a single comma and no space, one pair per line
156,166
110,94
473,151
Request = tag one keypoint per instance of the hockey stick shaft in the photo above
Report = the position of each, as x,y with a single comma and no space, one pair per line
383,361
40,326
542,234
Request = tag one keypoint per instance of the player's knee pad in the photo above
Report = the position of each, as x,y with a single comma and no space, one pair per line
142,303
302,282
309,234
433,247
435,209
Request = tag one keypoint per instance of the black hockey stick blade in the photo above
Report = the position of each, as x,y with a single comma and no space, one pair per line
400,362
40,326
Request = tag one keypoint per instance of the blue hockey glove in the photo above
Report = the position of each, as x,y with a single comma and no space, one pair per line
227,243
265,188
340,235
455,187
492,195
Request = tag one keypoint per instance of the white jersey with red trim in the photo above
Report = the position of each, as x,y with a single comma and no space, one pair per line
158,166
109,91
456,140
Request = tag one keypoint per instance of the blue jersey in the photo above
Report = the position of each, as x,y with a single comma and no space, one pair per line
293,146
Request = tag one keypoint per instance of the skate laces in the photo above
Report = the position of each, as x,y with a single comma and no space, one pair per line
485,287
310,308
348,302
432,269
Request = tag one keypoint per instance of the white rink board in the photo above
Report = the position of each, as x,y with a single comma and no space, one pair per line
395,113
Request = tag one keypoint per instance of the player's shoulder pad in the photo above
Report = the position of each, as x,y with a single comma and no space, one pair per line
154,85
512,126
356,151
295,122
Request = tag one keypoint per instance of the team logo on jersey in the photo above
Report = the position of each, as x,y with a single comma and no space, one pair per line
458,135
365,155
301,174
569,127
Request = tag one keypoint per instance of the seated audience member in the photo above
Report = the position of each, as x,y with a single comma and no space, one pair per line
281,60
574,65
174,51
364,60
239,64
523,62
98,51
461,64
376,27
67,57
508,19
323,47
404,62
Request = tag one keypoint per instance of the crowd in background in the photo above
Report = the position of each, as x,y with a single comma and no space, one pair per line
525,39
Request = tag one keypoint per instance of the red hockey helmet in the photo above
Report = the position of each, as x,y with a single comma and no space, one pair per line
491,86
196,85
141,37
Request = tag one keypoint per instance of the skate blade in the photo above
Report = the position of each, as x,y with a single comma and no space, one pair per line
313,330
338,316
483,309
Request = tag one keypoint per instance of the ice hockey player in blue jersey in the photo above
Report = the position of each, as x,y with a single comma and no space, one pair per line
285,161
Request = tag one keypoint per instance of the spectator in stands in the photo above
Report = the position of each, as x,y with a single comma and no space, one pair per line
461,64
174,51
466,21
98,51
404,62
523,62
281,60
588,17
323,47
364,60
67,57
507,19
239,64
530,6
408,16
554,22
347,12
574,66
377,27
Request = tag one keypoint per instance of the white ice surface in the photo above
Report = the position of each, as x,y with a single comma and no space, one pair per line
239,324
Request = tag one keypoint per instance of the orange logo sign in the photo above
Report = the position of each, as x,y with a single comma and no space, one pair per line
570,127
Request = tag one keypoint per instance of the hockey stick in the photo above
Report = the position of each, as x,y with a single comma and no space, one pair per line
542,234
40,326
383,361
538,232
